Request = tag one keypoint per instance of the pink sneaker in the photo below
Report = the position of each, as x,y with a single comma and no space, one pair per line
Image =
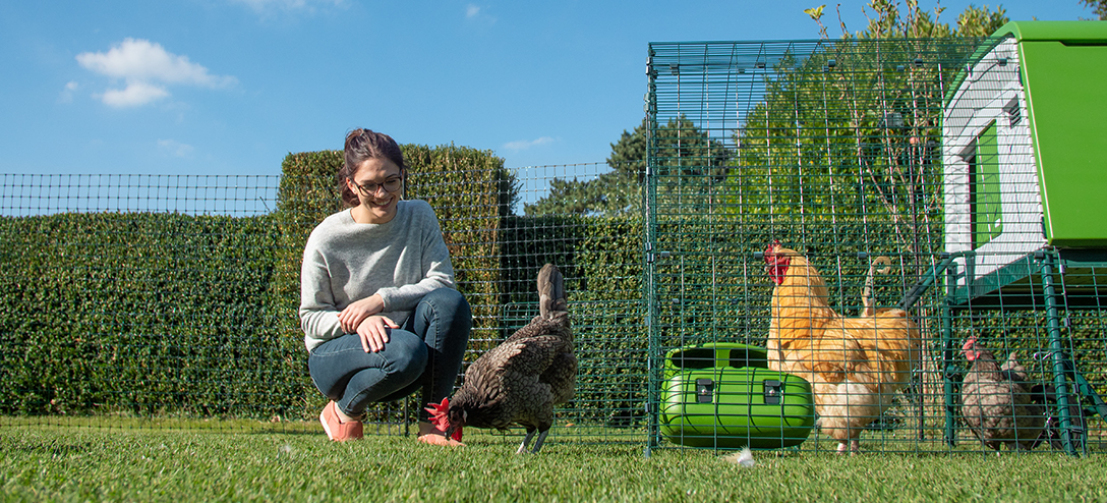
336,430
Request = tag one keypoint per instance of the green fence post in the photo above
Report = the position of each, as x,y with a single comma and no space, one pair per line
1056,349
947,356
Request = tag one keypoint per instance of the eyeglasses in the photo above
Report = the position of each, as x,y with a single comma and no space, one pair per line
389,185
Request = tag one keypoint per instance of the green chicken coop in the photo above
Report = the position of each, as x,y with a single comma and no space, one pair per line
1024,184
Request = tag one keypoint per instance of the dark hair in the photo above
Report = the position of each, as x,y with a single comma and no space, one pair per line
362,145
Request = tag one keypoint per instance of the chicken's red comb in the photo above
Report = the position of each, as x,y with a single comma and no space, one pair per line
439,414
969,344
769,249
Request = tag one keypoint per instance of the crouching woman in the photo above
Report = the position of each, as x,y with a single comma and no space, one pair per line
378,305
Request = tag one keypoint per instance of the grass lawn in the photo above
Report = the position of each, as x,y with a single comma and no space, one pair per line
52,463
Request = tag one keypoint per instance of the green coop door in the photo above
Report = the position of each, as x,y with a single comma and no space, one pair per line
987,208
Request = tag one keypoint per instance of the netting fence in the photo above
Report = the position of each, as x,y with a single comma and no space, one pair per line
171,301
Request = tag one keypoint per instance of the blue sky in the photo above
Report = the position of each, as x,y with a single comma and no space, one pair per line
203,87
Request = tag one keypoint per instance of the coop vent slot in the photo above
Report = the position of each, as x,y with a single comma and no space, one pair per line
697,358
1014,112
745,358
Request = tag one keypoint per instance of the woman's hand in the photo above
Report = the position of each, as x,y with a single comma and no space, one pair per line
374,332
357,312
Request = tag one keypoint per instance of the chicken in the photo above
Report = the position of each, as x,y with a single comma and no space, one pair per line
854,365
1013,370
522,379
996,402
1045,395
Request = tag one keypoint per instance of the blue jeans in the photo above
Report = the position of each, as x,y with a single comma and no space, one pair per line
425,353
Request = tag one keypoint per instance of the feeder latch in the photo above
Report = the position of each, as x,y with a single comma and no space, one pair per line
705,390
772,391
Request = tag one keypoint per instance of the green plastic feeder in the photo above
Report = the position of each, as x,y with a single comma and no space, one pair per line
724,395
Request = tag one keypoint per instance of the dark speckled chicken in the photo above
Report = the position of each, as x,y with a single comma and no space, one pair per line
520,381
996,402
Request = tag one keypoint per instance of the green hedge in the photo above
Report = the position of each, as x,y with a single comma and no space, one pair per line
164,313
138,312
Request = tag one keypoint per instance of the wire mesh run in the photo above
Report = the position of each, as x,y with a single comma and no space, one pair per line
865,216
137,301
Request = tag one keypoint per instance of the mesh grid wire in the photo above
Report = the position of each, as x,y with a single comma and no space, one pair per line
169,301
137,301
917,151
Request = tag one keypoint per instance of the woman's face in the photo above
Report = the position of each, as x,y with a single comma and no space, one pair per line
378,184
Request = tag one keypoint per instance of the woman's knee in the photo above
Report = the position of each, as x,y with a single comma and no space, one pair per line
451,304
406,354
447,298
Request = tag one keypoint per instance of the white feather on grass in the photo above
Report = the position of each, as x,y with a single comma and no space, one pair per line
744,458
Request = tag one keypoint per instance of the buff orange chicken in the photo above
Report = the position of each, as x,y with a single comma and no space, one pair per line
855,365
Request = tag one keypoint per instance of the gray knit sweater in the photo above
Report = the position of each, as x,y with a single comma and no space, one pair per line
345,261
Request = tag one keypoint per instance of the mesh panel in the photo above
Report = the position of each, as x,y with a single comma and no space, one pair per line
903,172
170,301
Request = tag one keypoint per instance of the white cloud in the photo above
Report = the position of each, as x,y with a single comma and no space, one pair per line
144,60
66,95
176,148
479,15
146,67
525,144
135,94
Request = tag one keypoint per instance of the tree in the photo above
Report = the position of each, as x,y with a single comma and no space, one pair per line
976,22
1099,7
610,193
918,23
628,155
680,148
876,119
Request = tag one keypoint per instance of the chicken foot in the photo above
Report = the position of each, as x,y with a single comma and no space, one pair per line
853,447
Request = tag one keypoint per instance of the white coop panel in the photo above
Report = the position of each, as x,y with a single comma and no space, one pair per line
992,200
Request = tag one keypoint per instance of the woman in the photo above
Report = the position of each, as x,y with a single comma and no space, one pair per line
378,306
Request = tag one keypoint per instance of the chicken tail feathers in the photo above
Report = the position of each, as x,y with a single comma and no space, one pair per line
551,292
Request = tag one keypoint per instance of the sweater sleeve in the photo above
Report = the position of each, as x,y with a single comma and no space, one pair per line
318,309
434,262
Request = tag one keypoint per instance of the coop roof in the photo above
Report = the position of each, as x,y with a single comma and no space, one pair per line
1059,31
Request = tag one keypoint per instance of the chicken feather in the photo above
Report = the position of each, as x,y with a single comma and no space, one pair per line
854,365
996,401
522,379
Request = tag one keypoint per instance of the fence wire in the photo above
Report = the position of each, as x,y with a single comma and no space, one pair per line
939,298
903,173
135,301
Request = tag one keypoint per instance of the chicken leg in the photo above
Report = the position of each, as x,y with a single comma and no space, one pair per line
853,446
537,443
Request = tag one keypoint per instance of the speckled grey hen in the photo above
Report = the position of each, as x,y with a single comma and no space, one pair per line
520,381
996,402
